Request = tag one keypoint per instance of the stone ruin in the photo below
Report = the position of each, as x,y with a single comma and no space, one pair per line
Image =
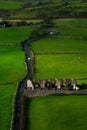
29,85
61,84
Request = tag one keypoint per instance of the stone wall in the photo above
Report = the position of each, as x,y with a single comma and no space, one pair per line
52,87
46,92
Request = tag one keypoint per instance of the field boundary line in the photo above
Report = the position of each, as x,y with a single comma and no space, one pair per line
10,44
80,78
13,104
70,37
46,92
54,53
7,83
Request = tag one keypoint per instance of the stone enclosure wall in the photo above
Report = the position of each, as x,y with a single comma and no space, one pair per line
36,88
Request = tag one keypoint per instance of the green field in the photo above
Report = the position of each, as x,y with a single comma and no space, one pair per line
10,5
59,45
50,112
79,82
15,34
12,67
56,10
74,22
36,1
71,27
57,113
6,101
60,66
71,31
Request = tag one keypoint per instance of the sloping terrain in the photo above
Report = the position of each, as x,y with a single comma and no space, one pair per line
54,9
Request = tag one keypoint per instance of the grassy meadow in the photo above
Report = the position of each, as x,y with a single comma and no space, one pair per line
79,82
71,31
36,1
51,112
56,9
57,113
71,27
10,4
60,66
71,22
59,45
12,67
6,100
14,34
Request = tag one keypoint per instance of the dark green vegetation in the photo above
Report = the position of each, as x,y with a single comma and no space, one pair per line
6,101
56,9
12,67
57,113
10,5
70,28
59,45
31,1
14,35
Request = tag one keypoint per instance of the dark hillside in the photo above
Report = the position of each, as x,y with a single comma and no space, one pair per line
55,9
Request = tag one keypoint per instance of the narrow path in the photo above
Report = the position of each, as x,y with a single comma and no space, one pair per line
18,101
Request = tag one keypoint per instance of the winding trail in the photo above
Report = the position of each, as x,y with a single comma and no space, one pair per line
18,101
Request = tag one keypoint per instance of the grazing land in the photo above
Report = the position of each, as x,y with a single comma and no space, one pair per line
74,32
6,100
68,21
61,66
59,45
56,9
10,5
12,67
57,113
71,22
71,27
14,34
64,65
